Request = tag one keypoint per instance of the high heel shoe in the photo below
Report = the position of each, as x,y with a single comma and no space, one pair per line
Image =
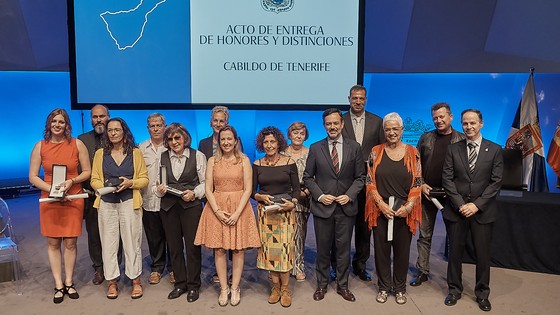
58,299
235,296
74,295
224,295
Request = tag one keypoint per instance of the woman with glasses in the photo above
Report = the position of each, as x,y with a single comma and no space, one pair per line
120,164
61,221
393,209
181,188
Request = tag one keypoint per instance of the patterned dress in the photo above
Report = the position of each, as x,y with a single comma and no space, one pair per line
228,189
301,218
276,228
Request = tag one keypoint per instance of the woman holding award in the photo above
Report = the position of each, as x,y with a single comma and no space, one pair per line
276,188
61,221
393,209
181,189
120,164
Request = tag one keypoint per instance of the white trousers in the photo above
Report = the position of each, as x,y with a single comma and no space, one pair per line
120,220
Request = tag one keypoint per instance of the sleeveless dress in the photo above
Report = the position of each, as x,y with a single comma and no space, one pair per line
61,219
228,189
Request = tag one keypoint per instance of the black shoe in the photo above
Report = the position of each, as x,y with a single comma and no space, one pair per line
98,277
451,299
363,274
346,294
420,277
192,295
58,299
333,275
484,304
74,295
175,293
319,294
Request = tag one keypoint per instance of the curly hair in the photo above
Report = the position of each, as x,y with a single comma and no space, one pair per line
276,133
180,129
47,133
128,139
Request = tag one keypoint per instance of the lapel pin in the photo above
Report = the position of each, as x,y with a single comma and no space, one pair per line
486,149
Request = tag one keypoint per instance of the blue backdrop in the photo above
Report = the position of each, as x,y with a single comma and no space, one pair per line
26,98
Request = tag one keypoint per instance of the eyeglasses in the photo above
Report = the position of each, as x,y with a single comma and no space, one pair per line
176,138
394,129
115,130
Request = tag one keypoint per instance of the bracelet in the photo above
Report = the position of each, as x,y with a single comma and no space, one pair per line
72,181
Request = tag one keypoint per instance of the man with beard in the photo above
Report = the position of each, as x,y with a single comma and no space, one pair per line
93,140
334,175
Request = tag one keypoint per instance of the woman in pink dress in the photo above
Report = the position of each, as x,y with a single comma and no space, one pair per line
61,221
228,221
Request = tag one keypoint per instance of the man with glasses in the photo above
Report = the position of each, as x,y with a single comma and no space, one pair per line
153,226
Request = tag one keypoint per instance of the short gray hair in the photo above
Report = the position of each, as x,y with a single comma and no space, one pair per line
220,109
394,117
156,116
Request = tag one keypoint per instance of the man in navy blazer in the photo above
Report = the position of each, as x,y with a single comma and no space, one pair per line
334,184
367,129
472,177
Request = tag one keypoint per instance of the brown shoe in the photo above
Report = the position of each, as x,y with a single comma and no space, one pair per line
274,294
113,290
285,296
155,277
98,277
171,277
300,276
136,289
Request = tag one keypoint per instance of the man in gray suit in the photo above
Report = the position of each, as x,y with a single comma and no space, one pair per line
366,129
472,177
334,175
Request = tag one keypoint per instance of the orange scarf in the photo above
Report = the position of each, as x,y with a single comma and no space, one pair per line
412,163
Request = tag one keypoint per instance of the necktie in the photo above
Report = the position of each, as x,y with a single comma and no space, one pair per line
359,131
334,156
472,156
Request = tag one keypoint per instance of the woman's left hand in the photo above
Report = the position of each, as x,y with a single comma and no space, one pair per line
288,205
232,219
125,184
401,213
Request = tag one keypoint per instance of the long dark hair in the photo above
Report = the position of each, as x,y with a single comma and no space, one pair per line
128,138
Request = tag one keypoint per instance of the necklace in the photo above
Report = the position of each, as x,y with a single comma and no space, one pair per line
268,163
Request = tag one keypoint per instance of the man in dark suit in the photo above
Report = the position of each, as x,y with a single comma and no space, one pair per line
93,140
472,177
218,120
367,129
334,175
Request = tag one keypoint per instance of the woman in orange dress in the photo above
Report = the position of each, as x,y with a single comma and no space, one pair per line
61,221
228,220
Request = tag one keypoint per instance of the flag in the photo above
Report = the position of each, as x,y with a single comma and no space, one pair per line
525,134
553,157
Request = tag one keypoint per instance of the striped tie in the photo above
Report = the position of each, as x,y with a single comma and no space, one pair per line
334,156
472,156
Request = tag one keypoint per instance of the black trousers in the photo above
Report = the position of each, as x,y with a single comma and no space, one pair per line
338,229
362,236
157,246
94,241
481,234
400,245
181,224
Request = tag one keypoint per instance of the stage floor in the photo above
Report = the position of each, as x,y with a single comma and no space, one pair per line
513,292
